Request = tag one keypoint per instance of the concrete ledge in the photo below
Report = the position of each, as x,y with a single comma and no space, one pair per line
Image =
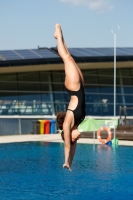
53,138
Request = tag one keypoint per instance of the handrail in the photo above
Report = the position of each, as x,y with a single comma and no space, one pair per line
124,108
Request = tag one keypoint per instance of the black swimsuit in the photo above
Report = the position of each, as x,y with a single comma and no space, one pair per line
79,111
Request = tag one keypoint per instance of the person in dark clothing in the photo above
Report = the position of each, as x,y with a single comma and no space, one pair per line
68,121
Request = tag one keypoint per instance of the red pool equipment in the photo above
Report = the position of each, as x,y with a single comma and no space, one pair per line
46,126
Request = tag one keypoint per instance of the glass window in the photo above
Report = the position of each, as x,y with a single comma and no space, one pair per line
28,81
90,79
46,108
63,75
44,76
89,72
108,98
93,109
45,87
121,99
92,98
106,89
66,97
39,90
4,85
28,77
131,70
8,102
106,72
8,77
8,96
28,86
29,97
29,104
57,87
117,81
56,77
126,81
127,90
58,97
8,82
117,72
89,109
107,80
128,99
129,110
64,89
60,107
91,88
118,90
125,72
46,97
117,109
132,80
108,109
109,72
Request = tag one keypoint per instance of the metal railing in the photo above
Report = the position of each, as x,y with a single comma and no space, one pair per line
123,111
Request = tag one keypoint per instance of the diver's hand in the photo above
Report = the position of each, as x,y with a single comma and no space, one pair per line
67,166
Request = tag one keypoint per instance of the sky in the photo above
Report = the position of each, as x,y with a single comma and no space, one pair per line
28,24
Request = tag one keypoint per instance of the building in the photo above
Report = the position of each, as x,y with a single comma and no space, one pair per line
32,84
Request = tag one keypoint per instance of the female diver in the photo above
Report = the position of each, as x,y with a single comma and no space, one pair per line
68,121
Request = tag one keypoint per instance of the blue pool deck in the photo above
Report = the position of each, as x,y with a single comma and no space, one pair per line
52,138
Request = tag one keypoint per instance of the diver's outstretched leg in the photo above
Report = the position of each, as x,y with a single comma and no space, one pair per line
73,73
63,52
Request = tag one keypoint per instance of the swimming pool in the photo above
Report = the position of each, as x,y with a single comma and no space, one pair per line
33,171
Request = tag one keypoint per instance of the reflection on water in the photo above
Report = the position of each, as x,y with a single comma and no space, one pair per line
104,158
33,170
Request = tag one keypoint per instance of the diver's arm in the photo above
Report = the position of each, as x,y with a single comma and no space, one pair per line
72,152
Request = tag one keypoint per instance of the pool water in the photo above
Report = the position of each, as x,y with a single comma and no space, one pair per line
33,171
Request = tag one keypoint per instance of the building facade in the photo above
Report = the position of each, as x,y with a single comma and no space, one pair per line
32,84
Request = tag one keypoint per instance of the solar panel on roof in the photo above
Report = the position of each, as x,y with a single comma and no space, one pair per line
9,55
119,52
103,51
91,52
27,54
45,53
125,51
87,52
130,50
77,52
99,52
84,51
95,52
2,57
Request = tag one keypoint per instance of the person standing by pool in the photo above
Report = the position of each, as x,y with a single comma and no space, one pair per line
68,121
